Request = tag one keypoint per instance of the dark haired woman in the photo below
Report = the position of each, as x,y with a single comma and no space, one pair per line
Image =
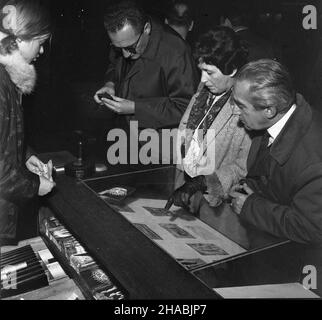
24,28
212,144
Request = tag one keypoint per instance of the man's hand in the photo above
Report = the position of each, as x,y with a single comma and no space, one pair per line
239,193
45,186
119,105
108,88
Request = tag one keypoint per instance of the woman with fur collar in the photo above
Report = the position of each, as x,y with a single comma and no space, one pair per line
24,28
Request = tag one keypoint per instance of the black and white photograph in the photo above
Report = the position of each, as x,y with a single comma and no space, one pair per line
191,263
176,231
171,149
207,249
158,212
147,231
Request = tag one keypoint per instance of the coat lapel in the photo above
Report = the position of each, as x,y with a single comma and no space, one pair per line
137,66
285,143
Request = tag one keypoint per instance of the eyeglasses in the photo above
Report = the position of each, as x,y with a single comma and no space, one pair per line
132,48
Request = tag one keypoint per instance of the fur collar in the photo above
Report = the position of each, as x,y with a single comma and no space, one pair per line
22,74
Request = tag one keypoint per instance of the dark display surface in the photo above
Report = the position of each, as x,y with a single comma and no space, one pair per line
140,266
133,254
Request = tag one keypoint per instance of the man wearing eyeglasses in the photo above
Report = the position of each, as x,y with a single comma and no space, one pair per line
152,76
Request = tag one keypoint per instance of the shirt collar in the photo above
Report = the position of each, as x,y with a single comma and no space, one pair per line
275,130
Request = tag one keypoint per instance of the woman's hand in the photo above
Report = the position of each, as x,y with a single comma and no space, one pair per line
35,166
196,202
181,197
45,186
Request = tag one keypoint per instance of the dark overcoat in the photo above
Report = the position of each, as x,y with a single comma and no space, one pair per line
288,203
161,82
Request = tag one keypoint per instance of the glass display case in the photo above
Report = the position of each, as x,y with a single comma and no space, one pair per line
158,254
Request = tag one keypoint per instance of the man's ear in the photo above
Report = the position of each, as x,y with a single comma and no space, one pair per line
166,21
270,112
147,27
191,25
233,73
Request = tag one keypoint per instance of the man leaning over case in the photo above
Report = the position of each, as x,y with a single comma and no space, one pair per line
284,182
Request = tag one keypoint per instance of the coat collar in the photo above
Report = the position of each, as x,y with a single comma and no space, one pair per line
293,131
22,74
154,41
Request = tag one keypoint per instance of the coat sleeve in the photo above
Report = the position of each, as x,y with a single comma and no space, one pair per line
301,220
181,81
229,174
30,152
16,183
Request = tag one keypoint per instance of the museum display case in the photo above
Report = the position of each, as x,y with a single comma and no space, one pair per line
115,240
151,253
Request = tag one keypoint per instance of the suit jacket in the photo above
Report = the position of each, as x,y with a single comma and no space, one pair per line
161,82
289,203
226,150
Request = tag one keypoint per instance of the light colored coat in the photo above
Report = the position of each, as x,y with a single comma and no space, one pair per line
226,152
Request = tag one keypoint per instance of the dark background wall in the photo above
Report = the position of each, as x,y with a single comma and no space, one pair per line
74,63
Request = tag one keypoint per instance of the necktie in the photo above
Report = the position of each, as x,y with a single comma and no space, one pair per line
261,167
265,140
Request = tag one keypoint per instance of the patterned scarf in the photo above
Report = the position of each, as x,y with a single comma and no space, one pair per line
202,105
